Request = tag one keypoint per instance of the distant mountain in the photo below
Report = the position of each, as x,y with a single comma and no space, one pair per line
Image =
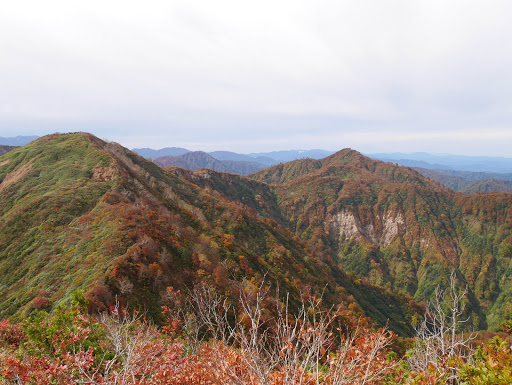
243,167
264,158
228,155
17,140
289,155
476,176
448,161
469,182
415,163
167,151
488,185
198,159
4,149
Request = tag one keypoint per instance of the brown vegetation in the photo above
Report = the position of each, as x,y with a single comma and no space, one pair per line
16,175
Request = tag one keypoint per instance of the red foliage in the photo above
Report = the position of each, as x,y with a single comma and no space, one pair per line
10,334
40,303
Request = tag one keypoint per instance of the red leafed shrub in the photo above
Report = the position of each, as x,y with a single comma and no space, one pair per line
10,334
40,303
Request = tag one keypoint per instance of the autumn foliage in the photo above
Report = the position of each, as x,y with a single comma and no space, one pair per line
208,340
118,347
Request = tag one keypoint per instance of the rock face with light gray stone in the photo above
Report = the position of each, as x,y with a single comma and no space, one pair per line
349,226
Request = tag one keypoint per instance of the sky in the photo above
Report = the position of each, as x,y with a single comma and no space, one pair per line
251,76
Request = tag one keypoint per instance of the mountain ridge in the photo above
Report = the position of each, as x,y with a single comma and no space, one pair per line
468,182
92,215
17,140
448,161
195,160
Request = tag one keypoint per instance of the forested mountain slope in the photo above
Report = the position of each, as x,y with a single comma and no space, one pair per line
399,229
80,213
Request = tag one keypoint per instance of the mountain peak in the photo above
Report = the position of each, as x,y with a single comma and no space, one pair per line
286,172
344,154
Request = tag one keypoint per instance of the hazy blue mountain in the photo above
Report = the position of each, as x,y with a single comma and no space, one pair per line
266,160
475,176
448,161
198,159
263,158
469,182
415,163
17,140
228,155
289,155
150,153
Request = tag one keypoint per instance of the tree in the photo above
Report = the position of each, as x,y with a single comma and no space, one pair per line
438,341
506,326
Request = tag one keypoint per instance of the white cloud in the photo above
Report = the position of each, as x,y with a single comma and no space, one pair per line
289,70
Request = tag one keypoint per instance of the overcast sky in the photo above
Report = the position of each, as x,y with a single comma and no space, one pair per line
377,76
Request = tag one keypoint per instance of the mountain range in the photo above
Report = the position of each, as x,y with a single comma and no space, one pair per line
485,164
17,140
80,213
224,160
448,161
268,158
448,174
198,159
469,182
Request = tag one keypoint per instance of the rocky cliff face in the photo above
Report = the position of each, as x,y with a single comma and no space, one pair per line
348,226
